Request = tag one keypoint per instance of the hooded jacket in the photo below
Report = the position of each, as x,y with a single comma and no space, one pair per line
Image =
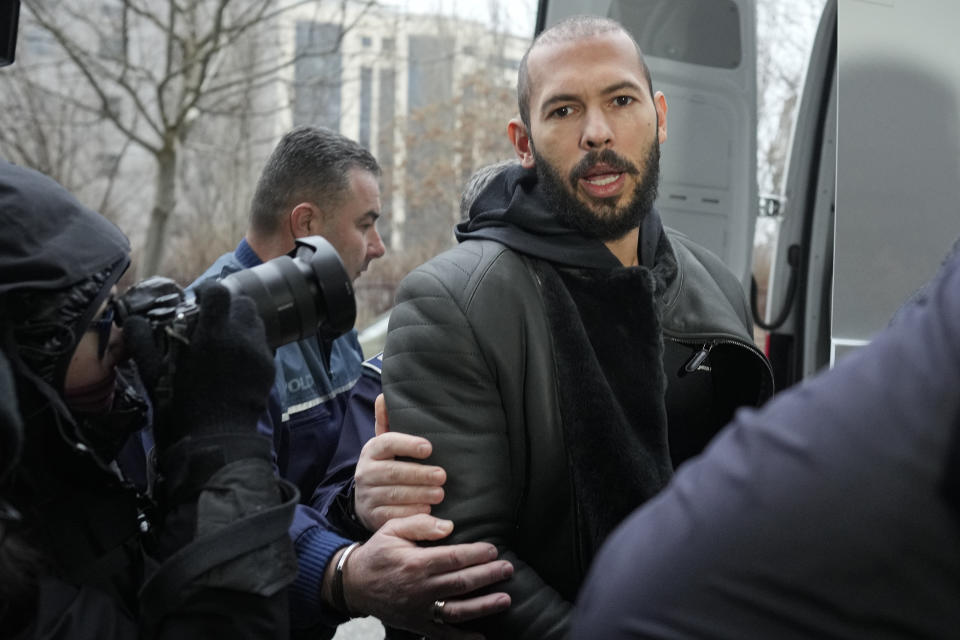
58,262
559,388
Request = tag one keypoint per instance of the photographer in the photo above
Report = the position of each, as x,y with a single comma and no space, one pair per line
85,552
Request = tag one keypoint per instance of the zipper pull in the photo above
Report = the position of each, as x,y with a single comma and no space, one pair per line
697,359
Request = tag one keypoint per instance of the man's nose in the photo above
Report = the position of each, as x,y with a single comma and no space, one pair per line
597,133
376,248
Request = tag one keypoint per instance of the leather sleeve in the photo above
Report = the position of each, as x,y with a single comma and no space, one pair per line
453,373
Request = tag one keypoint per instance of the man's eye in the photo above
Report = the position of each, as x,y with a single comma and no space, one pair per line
562,112
623,100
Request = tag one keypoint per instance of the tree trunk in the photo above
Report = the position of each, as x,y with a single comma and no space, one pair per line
164,201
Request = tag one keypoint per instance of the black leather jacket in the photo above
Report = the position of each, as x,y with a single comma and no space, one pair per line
471,364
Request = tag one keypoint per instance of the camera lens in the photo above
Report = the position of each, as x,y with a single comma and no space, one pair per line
302,296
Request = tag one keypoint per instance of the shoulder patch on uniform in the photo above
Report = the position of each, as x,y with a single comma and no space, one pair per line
375,363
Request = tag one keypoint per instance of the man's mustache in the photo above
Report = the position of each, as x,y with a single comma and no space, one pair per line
608,157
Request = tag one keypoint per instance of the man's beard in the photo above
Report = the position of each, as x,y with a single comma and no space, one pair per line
605,220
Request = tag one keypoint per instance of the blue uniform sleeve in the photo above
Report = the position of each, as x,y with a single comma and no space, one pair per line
268,425
334,495
314,542
315,546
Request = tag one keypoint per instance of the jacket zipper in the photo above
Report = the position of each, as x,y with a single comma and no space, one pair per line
707,345
697,359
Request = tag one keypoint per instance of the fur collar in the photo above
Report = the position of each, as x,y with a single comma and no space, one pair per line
611,385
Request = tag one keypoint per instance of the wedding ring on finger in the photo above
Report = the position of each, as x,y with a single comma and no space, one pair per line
438,611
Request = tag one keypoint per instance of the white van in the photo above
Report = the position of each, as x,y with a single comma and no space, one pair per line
872,181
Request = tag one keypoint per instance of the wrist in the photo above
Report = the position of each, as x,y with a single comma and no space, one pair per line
333,592
356,518
343,514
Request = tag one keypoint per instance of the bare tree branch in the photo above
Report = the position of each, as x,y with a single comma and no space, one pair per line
112,174
83,64
193,89
130,6
165,76
169,29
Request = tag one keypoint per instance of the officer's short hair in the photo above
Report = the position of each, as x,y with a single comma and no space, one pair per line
309,164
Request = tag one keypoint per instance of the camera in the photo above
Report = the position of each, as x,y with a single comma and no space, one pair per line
296,297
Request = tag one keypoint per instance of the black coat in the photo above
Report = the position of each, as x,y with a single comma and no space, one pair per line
541,385
91,571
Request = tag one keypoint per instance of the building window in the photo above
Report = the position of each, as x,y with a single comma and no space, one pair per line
429,102
38,43
430,70
111,47
317,75
386,121
366,42
113,105
366,106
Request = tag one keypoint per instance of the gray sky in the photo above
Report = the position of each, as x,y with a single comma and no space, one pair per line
517,17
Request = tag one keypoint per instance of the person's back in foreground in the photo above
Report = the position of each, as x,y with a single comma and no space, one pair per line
580,331
834,512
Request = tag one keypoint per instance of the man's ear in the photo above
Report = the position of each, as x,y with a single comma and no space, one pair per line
520,139
305,220
660,103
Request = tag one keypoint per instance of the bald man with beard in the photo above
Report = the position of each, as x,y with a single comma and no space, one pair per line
570,351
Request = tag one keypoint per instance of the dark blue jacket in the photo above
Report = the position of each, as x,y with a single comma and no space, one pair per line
832,512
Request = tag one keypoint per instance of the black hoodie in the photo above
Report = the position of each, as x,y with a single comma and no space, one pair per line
42,223
511,210
58,262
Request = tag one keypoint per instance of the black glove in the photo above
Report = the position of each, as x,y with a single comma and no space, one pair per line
220,380
224,514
